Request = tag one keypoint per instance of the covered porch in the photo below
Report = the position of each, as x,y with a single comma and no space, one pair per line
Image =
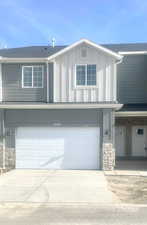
131,164
131,138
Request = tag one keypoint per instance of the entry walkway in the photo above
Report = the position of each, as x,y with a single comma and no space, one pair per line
130,168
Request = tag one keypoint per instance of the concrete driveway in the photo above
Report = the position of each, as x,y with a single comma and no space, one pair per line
46,186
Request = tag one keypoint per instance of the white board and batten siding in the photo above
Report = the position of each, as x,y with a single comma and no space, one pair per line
65,89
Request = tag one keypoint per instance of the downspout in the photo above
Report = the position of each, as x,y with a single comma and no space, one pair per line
118,62
47,87
2,119
113,116
4,141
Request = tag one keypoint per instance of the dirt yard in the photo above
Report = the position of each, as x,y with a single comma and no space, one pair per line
129,189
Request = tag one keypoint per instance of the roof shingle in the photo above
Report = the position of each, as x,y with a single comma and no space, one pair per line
46,51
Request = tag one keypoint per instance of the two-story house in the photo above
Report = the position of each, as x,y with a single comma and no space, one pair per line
59,104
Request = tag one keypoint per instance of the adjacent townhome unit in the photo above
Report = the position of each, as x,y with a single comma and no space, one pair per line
59,105
131,120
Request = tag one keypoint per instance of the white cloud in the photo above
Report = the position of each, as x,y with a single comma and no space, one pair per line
3,43
47,29
28,16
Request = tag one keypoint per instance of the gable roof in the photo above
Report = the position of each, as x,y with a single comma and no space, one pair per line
99,47
47,51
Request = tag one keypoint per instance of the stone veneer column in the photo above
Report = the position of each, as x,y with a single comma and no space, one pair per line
7,153
108,151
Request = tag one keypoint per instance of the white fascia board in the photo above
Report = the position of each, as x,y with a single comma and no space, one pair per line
99,47
1,83
131,114
22,60
61,106
133,53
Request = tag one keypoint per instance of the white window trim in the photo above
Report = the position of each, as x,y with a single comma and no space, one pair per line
84,86
32,76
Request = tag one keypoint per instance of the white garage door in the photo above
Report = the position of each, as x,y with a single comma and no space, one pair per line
57,148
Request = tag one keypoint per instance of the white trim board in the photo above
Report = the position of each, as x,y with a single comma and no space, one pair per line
61,106
22,60
32,86
84,86
1,95
131,114
133,53
99,47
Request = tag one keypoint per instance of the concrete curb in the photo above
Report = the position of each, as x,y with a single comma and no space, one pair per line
126,173
71,204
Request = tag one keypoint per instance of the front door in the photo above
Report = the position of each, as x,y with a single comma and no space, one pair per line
139,141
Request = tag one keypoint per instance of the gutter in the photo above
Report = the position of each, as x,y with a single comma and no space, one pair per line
131,114
133,53
14,60
4,143
61,106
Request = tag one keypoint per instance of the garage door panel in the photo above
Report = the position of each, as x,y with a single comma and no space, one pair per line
51,164
57,148
28,164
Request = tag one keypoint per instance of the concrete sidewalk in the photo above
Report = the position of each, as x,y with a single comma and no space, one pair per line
72,214
126,173
55,186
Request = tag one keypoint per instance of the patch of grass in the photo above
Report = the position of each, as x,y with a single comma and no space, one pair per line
129,189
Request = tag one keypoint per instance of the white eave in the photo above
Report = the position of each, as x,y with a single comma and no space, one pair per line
133,53
99,47
22,60
61,106
131,114
44,59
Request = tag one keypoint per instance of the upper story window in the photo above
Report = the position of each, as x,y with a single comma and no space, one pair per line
86,75
32,76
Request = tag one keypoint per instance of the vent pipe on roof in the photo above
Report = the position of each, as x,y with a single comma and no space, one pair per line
53,42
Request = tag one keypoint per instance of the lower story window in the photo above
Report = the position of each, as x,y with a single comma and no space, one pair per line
86,75
32,76
140,131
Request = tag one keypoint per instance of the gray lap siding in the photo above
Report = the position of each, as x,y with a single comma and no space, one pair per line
63,117
132,79
12,85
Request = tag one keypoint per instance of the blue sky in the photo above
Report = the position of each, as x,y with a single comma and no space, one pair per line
35,22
